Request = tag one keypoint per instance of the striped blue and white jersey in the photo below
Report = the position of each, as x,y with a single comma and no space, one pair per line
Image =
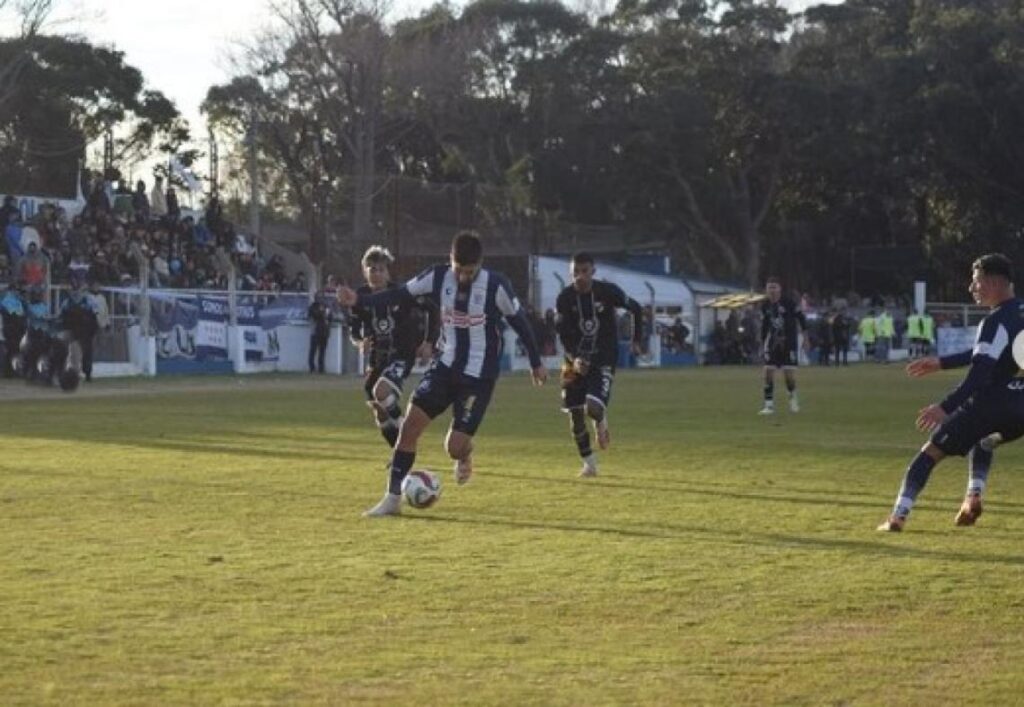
991,360
470,342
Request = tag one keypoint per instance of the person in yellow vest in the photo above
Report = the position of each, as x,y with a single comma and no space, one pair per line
866,332
884,331
915,334
927,333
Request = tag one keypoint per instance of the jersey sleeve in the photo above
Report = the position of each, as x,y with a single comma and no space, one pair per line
957,360
508,304
425,284
563,325
619,299
800,317
505,299
432,315
989,345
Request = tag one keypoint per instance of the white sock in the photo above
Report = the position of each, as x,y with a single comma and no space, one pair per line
975,487
903,506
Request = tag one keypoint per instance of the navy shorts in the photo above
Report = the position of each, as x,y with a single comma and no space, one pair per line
781,357
468,397
1001,411
597,383
394,372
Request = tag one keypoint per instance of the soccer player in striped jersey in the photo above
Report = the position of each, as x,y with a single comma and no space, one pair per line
472,301
986,409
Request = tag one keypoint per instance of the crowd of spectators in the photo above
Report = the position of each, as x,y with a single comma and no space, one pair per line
835,327
118,231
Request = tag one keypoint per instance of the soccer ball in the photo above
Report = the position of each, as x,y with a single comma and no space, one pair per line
421,488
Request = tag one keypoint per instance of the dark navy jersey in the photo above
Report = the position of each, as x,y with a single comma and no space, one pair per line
78,315
991,360
470,316
393,330
779,322
586,322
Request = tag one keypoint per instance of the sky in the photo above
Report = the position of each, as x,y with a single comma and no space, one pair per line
182,47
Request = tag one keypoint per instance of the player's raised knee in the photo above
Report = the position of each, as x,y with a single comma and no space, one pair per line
384,393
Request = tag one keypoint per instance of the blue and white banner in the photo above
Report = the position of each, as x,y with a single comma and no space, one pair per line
953,340
195,327
175,323
212,330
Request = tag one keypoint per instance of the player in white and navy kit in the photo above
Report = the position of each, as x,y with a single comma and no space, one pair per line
986,409
472,302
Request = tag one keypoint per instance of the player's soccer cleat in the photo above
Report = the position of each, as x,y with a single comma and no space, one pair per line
463,470
892,524
970,510
589,467
604,437
768,409
794,404
390,505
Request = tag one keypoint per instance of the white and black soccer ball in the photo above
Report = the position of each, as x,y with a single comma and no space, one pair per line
421,488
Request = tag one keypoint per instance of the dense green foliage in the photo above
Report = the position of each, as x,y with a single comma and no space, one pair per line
66,93
200,542
857,145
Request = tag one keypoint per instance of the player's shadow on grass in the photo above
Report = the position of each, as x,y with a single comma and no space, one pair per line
814,496
705,490
670,531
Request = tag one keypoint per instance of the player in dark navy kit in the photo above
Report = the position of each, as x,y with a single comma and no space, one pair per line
472,301
587,328
780,320
986,409
391,337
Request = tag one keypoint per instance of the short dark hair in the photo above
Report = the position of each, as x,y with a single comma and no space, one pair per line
772,279
994,264
467,248
377,254
582,258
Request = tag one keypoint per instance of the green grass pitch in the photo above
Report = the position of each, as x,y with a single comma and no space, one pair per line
200,542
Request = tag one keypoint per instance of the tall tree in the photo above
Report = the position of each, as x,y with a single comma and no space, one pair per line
69,93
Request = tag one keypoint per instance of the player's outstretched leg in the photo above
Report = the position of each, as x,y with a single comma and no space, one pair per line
979,464
459,446
578,425
769,392
416,421
913,482
386,410
794,401
598,412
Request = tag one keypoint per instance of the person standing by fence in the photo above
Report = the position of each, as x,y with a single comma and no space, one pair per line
320,316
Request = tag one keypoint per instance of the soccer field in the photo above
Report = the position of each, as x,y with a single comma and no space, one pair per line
200,542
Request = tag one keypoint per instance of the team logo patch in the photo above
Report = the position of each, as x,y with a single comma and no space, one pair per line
589,326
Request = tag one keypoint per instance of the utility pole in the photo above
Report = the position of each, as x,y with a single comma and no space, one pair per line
214,165
254,186
108,151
